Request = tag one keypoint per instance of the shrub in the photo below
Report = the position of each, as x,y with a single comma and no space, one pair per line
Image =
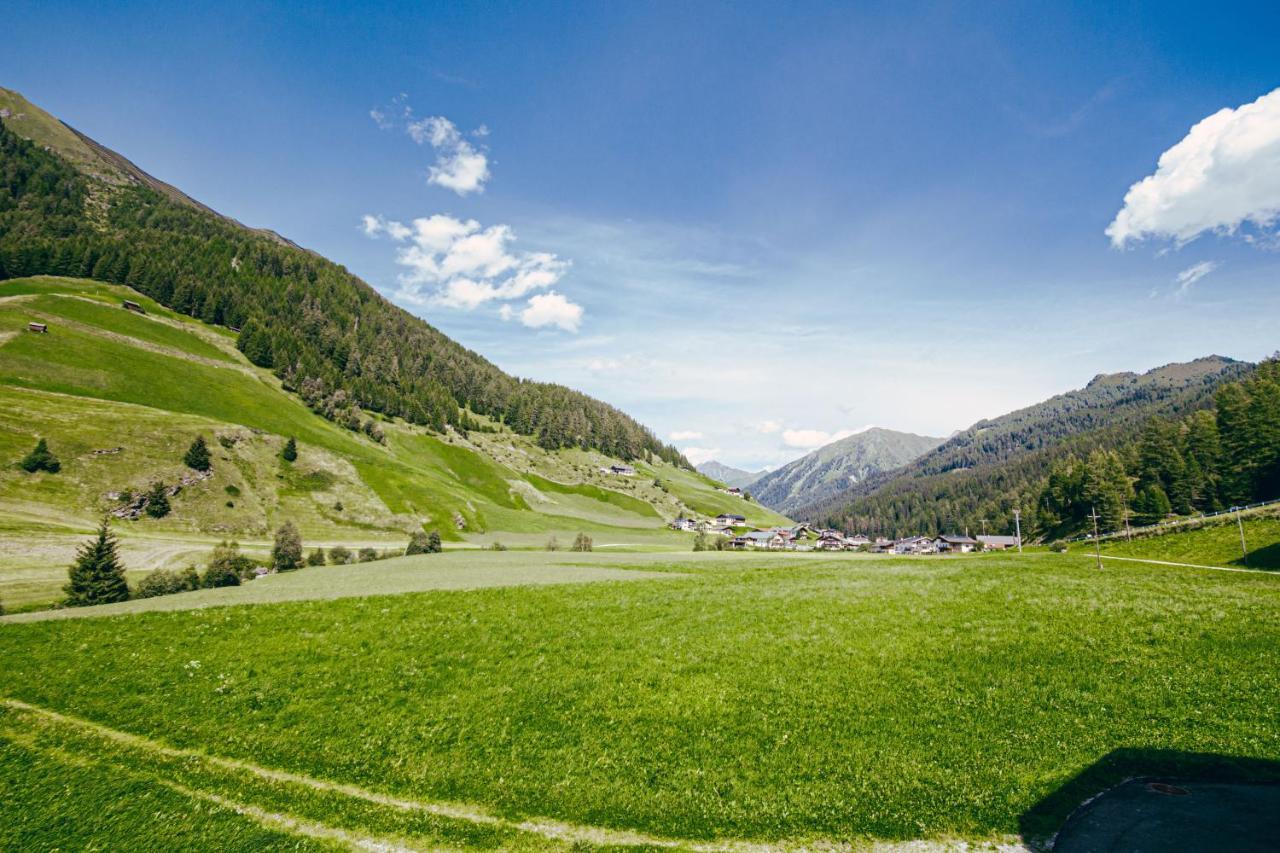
226,557
434,545
368,555
190,578
582,543
497,546
419,543
337,506
339,556
232,490
226,441
160,582
700,542
197,455
290,452
286,553
316,557
553,544
1058,547
40,459
96,577
219,574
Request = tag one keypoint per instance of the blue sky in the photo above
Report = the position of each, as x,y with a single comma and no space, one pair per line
753,229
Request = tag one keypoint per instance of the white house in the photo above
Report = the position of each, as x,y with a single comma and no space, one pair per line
914,545
731,520
684,524
956,544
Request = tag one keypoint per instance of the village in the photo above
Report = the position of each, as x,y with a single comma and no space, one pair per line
738,536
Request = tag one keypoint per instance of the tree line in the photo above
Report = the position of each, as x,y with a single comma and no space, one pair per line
327,334
1197,443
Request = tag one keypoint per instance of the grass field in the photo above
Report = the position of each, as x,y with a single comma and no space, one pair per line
119,396
1217,543
774,699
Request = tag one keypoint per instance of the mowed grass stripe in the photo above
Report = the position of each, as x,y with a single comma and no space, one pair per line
143,756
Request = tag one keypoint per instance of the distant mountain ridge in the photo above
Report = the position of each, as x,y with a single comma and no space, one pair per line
729,475
831,469
984,472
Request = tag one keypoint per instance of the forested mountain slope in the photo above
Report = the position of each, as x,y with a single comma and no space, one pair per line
69,206
997,465
830,470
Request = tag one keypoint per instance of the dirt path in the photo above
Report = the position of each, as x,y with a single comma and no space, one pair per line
1191,565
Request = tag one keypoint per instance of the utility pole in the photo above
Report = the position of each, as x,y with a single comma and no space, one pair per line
984,527
1017,520
1244,550
1097,545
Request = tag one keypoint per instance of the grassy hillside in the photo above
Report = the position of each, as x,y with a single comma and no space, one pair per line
799,699
1215,542
120,396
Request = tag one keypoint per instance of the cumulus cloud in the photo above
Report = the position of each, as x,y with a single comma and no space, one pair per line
460,166
1192,274
686,435
698,455
460,264
1224,173
551,309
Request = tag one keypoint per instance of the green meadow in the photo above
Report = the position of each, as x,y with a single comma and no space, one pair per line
706,699
1214,543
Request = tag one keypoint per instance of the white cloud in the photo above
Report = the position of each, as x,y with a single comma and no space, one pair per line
459,166
810,439
551,309
1224,173
768,427
599,365
459,264
1192,274
698,455
686,435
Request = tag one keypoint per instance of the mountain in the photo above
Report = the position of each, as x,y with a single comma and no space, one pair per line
729,475
69,206
831,469
983,473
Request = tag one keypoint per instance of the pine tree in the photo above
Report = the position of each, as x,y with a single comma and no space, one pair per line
286,553
1151,506
97,577
197,455
290,452
316,557
40,459
434,545
157,500
582,543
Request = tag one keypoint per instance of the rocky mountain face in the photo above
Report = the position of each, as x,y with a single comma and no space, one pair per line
835,467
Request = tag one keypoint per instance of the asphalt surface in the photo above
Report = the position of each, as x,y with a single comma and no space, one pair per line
1152,816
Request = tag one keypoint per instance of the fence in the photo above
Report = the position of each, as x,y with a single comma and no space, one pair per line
1173,523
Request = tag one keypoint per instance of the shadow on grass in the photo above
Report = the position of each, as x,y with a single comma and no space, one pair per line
1267,557
1038,824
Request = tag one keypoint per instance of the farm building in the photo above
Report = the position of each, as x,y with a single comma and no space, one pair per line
38,328
130,305
999,543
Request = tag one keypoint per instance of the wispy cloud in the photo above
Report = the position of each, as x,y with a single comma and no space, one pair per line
459,264
1223,174
686,435
1188,277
